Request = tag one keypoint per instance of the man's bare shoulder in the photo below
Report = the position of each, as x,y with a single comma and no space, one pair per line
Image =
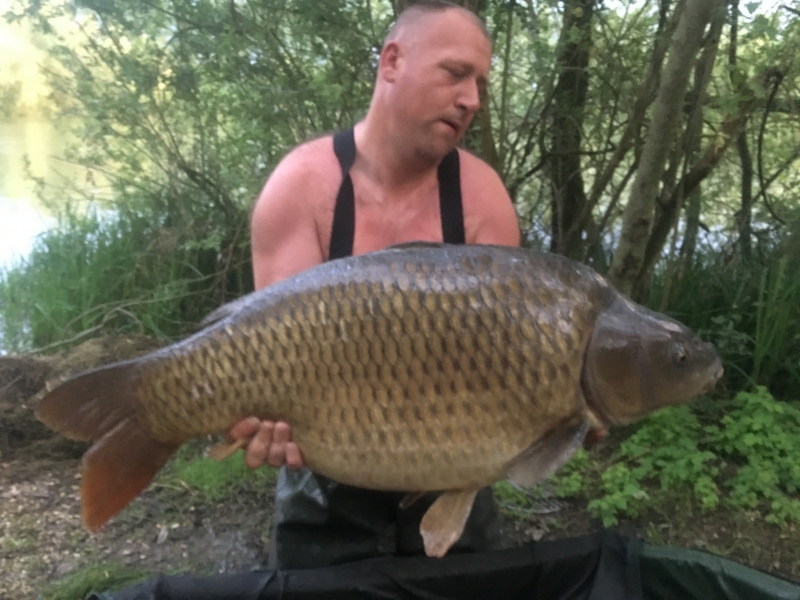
489,213
286,218
476,171
302,185
310,163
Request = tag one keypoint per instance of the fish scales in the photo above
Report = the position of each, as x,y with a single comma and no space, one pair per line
426,374
416,368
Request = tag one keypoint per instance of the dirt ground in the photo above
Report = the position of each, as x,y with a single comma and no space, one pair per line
170,529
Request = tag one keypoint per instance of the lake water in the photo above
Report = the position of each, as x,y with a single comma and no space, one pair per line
22,216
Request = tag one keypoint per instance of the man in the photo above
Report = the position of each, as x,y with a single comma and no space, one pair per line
398,177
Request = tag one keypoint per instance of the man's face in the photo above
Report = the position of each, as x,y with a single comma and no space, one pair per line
437,76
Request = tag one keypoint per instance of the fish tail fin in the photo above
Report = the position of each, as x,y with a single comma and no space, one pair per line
99,406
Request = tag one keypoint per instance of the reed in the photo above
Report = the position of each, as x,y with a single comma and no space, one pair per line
120,271
751,311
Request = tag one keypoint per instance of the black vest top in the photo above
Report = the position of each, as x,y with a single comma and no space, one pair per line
344,214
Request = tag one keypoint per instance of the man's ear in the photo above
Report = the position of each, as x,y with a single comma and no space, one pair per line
390,61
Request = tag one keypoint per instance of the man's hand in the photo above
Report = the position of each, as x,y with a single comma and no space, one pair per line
270,443
594,437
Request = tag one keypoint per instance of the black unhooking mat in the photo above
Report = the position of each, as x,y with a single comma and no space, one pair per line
604,566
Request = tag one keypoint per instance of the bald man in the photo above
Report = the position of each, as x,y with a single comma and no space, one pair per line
396,176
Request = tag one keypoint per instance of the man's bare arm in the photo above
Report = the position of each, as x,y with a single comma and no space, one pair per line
283,224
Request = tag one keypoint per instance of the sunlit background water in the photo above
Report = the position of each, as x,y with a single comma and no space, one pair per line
22,217
29,139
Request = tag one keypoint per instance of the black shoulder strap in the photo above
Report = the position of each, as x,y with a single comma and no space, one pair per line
450,199
344,213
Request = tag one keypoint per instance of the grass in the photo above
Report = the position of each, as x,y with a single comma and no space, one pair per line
122,271
95,578
216,480
14,544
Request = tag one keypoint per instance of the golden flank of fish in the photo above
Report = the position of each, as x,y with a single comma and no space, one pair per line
415,368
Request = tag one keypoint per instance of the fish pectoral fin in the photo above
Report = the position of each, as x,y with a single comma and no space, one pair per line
220,452
547,453
444,521
410,498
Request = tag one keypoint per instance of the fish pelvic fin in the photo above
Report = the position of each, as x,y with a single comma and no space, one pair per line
99,406
443,523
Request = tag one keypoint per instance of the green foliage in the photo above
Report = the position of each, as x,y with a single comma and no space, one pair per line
122,270
750,311
570,477
217,480
622,494
748,460
763,436
664,454
96,578
777,316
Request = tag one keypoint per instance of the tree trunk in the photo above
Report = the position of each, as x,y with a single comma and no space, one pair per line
638,216
743,217
672,196
567,112
632,133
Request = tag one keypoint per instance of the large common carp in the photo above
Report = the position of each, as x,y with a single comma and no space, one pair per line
421,367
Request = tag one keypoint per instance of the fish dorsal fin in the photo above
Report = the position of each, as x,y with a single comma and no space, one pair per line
223,312
419,244
548,453
445,519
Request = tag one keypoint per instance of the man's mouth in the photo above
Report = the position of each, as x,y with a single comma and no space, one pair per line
452,124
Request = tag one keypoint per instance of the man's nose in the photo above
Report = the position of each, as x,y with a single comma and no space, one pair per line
470,97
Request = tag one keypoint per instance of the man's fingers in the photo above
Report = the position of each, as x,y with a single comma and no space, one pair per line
258,448
282,433
271,443
594,437
293,458
277,452
243,429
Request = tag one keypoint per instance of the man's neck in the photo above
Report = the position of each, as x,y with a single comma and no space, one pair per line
384,158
